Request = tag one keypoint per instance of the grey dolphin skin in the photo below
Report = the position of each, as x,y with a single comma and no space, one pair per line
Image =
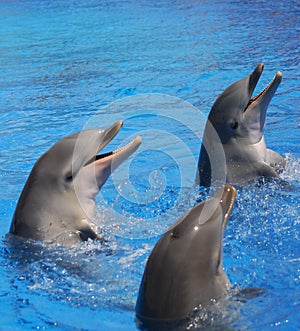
58,200
185,270
236,123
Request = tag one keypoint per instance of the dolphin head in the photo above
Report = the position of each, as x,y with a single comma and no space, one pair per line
202,228
236,114
59,194
185,267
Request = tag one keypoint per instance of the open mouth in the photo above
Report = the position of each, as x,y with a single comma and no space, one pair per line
127,149
267,92
121,153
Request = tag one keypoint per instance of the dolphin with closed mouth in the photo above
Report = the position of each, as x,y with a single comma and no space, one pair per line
184,269
236,122
57,203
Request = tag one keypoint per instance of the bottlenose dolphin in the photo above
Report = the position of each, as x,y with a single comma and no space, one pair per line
58,200
236,123
185,270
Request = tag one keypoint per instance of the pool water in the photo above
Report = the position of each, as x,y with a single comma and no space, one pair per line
159,66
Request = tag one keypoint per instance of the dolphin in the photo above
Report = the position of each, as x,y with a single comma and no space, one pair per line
184,269
57,203
235,127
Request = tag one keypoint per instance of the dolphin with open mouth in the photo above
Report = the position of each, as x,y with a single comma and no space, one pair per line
57,203
236,123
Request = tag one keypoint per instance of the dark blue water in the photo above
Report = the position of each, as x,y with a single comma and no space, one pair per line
159,66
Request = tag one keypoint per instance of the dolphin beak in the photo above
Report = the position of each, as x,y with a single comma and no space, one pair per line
256,109
106,163
100,138
254,78
116,157
120,154
109,134
91,141
265,96
227,195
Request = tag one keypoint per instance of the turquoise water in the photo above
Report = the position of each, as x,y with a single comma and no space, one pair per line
159,66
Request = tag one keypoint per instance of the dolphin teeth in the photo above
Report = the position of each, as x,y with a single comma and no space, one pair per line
257,96
117,151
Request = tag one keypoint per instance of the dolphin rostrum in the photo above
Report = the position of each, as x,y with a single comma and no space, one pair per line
236,123
185,270
58,200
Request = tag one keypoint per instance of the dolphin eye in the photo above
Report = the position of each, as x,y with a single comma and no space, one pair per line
69,177
234,125
174,234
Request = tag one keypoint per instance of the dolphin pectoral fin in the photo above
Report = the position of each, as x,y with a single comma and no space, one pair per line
266,170
275,160
87,232
248,293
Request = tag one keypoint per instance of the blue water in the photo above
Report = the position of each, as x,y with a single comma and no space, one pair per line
159,66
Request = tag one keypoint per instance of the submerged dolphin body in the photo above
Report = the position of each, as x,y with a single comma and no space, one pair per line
236,123
184,270
58,200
